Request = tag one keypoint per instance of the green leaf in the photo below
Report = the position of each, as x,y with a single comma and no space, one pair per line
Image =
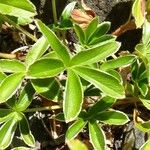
25,98
61,50
146,145
11,66
26,133
138,12
7,132
48,88
97,136
102,80
23,9
112,117
76,145
73,96
45,68
75,128
65,16
143,87
145,101
101,105
102,29
80,33
2,76
36,51
142,126
116,75
95,54
146,33
91,28
21,148
5,114
98,40
119,62
10,85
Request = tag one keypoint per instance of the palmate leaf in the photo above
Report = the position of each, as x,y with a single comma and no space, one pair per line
97,136
75,128
36,51
61,50
25,132
45,68
10,85
23,9
102,80
7,132
73,96
11,66
95,54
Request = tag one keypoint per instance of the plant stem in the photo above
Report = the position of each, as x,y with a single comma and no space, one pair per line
5,18
8,56
43,108
54,11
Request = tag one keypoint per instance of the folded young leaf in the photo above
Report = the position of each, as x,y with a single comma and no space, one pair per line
7,132
2,76
100,31
66,14
102,80
61,50
24,8
119,62
36,51
112,117
101,105
45,68
73,96
91,28
80,33
11,66
75,128
25,132
25,98
95,54
97,136
10,85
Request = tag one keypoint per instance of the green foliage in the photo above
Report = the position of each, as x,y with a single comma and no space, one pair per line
85,82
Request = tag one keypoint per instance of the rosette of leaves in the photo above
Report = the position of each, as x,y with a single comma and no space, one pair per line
95,117
13,116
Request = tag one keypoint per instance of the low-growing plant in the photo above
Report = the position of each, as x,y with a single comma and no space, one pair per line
85,82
